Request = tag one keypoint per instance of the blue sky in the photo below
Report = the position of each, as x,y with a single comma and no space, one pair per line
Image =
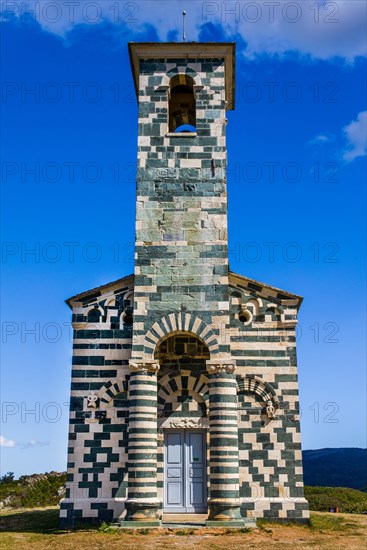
296,184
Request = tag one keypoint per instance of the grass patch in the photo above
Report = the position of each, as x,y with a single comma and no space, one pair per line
245,530
36,521
262,524
237,531
330,523
41,521
184,532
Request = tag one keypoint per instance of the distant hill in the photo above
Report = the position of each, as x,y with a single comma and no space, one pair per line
344,467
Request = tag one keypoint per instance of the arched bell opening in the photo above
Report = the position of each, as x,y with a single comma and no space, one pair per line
182,104
182,375
182,351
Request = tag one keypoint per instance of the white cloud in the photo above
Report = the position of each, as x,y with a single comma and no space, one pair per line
322,138
322,29
33,443
355,133
4,442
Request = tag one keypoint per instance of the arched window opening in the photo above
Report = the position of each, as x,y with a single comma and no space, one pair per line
94,315
128,300
273,314
182,346
182,107
253,306
127,318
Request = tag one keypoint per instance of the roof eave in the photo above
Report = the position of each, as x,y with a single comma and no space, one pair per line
98,289
274,288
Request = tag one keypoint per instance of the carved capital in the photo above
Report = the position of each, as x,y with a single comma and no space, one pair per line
143,366
221,368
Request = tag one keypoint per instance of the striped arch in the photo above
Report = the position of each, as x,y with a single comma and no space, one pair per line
274,309
251,384
260,302
198,85
172,384
176,323
108,392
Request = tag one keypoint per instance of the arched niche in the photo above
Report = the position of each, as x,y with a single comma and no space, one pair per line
181,104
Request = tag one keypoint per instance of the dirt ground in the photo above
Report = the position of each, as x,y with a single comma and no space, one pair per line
38,529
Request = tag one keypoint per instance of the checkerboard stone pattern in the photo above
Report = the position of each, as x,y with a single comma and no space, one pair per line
242,387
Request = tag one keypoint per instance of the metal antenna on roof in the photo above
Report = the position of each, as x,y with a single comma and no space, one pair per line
184,25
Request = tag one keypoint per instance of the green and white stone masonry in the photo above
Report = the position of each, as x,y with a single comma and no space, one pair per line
183,343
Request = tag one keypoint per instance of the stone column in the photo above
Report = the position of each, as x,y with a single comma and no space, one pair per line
142,504
224,497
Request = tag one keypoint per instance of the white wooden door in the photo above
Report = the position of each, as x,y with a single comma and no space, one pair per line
185,488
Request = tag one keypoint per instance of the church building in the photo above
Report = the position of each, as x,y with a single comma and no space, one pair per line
184,391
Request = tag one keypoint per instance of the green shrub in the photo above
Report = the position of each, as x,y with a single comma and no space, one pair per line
107,528
351,501
28,492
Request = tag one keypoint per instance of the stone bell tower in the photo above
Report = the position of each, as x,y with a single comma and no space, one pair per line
181,259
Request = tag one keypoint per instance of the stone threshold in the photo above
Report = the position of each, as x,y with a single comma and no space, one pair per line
190,524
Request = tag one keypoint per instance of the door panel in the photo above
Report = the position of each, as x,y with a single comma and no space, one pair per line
196,447
174,448
185,472
197,472
196,494
196,478
174,494
174,472
174,489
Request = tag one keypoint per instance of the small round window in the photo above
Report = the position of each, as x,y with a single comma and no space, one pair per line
245,316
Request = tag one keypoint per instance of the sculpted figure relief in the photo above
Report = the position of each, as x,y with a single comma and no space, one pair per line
270,409
92,399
